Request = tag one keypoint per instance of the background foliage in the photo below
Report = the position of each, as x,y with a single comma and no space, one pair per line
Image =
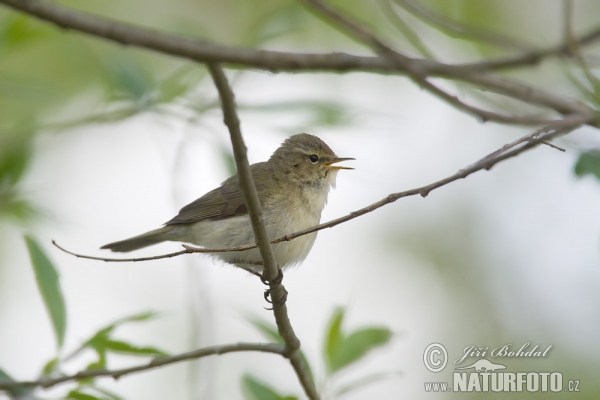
55,83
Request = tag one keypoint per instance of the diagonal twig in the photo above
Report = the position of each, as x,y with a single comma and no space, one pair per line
574,46
155,363
534,57
531,140
356,31
453,28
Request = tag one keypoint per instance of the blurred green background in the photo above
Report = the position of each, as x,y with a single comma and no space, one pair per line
98,142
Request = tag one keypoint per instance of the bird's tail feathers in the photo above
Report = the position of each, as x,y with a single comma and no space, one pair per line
137,242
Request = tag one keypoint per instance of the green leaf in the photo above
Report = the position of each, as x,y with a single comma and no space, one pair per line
78,395
229,160
129,79
357,345
268,330
107,330
49,286
102,343
180,82
255,389
334,337
15,152
117,346
341,351
588,164
271,332
51,366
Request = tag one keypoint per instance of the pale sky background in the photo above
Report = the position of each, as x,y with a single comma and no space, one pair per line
517,248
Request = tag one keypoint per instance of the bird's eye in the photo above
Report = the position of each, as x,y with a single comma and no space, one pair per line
313,158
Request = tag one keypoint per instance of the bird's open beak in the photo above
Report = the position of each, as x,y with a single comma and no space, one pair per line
337,160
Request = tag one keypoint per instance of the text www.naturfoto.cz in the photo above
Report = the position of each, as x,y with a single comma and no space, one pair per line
437,387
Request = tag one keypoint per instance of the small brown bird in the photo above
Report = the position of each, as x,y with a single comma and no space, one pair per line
292,187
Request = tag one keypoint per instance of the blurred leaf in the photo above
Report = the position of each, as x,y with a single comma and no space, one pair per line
49,286
334,337
274,24
254,389
13,206
585,92
270,331
341,350
15,153
15,392
97,365
15,156
179,83
588,163
17,30
228,159
78,395
357,345
102,342
50,366
118,346
107,330
128,79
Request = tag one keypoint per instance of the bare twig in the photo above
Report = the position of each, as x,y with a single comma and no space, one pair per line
574,46
270,268
483,115
554,146
534,57
413,37
204,51
532,140
188,250
155,363
453,28
360,33
169,255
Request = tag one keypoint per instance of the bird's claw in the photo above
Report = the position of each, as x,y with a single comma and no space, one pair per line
272,284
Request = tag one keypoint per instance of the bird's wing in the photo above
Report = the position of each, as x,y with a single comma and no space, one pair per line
223,202
220,203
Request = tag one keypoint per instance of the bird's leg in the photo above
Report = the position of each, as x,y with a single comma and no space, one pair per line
247,267
272,284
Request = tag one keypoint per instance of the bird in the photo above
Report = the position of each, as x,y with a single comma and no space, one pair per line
292,185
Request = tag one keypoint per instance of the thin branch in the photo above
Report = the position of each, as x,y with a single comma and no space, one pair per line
155,363
358,32
575,48
559,128
409,34
534,57
453,28
204,51
270,268
188,250
169,255
565,125
483,115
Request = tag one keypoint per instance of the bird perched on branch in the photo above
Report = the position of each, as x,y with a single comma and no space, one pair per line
292,187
